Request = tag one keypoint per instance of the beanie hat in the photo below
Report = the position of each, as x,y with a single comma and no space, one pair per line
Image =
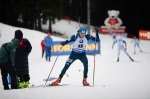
18,34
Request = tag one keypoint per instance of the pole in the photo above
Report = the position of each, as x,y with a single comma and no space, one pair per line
88,15
52,68
94,57
79,21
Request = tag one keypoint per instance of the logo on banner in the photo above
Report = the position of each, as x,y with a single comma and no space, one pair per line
145,34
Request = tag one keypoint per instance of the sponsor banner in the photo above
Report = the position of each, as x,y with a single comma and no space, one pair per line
105,30
66,50
144,34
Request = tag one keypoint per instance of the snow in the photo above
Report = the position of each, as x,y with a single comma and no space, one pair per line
113,80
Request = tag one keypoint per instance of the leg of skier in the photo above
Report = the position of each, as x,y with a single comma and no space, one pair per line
134,48
123,49
118,54
84,60
70,60
139,47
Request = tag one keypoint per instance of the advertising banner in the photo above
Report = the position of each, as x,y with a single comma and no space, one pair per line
105,30
66,50
144,34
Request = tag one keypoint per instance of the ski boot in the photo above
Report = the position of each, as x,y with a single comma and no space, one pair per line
131,58
85,83
56,82
21,85
26,85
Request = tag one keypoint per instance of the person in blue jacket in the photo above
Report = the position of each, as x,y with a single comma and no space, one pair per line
49,45
78,52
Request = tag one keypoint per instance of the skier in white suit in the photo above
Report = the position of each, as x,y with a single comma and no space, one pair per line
121,46
136,43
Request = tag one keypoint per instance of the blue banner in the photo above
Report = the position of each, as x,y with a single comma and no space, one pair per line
66,50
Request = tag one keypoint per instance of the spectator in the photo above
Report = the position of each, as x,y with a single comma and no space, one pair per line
21,60
49,45
7,54
43,47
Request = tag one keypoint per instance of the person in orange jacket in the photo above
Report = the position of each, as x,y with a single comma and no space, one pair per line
43,47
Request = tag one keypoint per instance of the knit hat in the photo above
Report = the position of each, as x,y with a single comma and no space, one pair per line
18,34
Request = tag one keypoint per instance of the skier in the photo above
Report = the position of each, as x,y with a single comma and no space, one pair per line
121,47
136,43
78,52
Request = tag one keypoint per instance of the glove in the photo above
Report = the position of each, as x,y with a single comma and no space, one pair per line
62,43
112,47
96,29
125,48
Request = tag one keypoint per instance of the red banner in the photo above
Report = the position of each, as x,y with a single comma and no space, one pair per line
105,30
144,34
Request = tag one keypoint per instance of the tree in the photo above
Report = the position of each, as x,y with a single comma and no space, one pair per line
52,9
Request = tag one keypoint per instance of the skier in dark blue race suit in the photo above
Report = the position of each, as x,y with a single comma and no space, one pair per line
78,52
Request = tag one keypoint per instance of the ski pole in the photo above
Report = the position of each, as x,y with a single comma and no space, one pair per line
94,58
79,21
52,68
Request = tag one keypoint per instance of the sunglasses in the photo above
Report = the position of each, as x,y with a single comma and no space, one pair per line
83,32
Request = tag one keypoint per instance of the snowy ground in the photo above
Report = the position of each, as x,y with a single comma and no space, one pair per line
113,80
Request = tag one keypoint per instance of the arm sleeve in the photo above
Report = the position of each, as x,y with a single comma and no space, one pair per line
114,43
125,43
72,38
12,53
29,47
52,44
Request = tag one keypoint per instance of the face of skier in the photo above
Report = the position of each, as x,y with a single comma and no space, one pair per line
82,35
119,38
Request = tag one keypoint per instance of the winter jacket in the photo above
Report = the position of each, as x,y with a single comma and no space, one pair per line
48,42
43,45
21,58
8,50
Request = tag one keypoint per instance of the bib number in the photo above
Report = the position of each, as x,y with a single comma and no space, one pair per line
80,45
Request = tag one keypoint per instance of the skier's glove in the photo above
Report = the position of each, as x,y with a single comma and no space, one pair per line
63,43
112,47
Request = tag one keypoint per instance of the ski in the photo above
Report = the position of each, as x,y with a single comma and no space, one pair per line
89,86
124,61
48,85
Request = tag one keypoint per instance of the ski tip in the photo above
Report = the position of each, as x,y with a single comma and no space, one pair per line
89,85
